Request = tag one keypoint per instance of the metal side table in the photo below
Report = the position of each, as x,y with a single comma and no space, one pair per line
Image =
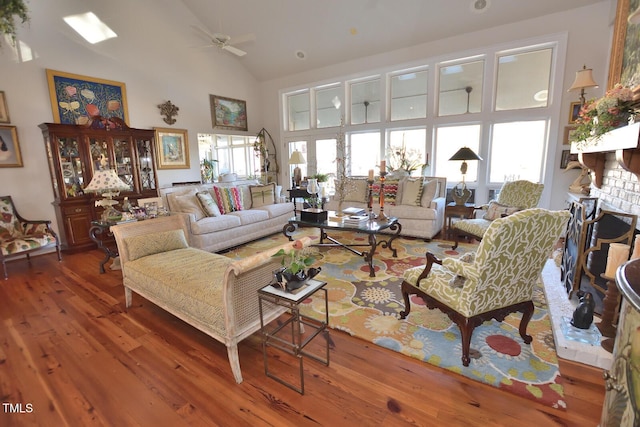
293,342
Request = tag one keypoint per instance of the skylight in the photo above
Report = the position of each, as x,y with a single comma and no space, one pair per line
90,27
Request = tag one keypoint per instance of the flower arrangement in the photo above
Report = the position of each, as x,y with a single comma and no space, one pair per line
402,158
10,10
599,116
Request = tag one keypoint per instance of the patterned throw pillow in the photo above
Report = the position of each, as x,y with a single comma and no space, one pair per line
412,192
189,203
390,191
358,189
208,204
262,195
497,210
228,199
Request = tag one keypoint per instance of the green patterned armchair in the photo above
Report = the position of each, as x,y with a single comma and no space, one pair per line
513,196
19,237
496,280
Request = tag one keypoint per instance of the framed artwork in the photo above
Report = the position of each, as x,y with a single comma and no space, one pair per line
567,135
75,99
4,110
172,148
624,64
566,158
9,148
227,113
574,111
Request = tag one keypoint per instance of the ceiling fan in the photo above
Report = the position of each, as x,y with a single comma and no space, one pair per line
223,41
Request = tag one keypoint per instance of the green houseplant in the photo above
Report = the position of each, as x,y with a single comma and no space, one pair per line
292,274
9,10
208,169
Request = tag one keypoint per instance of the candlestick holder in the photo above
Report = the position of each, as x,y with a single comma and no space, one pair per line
370,198
382,216
609,308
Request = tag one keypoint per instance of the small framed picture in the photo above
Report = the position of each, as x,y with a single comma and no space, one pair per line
172,148
228,113
566,139
573,113
4,110
9,148
566,158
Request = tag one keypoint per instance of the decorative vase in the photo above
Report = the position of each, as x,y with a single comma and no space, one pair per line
290,282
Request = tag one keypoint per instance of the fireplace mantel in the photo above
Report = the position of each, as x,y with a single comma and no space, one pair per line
623,141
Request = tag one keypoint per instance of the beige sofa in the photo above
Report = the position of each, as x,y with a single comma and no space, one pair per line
263,213
417,202
211,292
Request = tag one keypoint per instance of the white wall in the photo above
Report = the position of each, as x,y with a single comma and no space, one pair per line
159,64
589,40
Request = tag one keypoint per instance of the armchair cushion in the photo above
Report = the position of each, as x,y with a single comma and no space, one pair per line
150,244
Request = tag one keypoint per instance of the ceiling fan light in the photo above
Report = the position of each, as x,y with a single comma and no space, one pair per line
301,55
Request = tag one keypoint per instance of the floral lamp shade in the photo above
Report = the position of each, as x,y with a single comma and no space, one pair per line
105,181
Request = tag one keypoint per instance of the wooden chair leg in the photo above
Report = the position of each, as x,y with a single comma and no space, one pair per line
406,289
527,313
466,330
4,267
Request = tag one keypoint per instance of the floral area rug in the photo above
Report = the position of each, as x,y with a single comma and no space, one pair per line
369,307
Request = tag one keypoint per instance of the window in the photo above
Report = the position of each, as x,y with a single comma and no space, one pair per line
365,102
298,110
517,150
409,95
449,140
460,88
328,107
523,80
364,149
412,143
234,153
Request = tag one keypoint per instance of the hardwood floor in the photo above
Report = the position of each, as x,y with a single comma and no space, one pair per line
71,355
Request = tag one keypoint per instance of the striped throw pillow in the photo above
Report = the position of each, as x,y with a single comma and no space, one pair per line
228,199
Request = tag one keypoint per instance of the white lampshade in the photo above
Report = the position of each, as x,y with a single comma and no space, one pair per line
297,158
105,181
584,79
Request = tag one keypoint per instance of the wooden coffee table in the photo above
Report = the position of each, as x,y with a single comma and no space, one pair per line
371,228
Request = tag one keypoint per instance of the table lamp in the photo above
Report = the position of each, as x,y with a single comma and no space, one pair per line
296,159
584,79
461,194
109,184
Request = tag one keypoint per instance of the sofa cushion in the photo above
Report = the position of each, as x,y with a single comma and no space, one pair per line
251,216
189,203
228,199
153,243
411,212
412,191
429,191
391,191
278,209
497,210
214,223
208,204
262,195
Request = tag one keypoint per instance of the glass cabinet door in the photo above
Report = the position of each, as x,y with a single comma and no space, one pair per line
71,167
147,171
99,155
124,160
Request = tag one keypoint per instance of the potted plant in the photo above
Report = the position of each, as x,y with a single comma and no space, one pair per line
402,161
207,170
8,12
292,275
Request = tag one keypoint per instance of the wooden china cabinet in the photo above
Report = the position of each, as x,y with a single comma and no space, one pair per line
75,152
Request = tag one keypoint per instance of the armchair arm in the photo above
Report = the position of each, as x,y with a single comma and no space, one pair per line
462,268
431,259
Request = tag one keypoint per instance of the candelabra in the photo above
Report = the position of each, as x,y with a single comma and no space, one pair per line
382,216
370,198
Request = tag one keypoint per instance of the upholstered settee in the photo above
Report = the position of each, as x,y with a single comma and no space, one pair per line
211,292
417,202
223,215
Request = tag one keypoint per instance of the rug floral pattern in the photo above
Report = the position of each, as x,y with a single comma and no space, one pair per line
369,308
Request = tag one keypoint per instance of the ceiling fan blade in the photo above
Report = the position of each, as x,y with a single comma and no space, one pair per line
203,32
234,50
245,38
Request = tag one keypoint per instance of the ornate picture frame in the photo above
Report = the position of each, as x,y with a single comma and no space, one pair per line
623,64
574,111
10,156
172,148
228,113
4,109
566,139
75,98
